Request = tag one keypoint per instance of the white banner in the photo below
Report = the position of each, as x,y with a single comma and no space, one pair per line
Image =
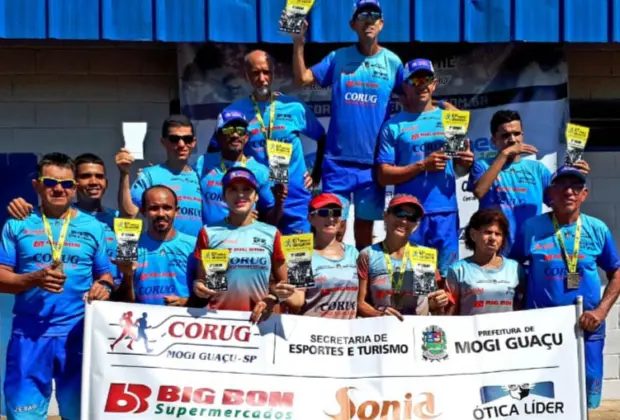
483,79
152,362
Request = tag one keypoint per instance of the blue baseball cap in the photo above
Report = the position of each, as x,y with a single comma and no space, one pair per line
360,4
419,64
567,170
239,173
227,117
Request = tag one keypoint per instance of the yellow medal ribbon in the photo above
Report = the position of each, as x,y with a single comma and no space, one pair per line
243,162
571,261
56,249
259,116
396,286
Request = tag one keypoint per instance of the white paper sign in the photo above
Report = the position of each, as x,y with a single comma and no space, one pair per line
134,134
156,362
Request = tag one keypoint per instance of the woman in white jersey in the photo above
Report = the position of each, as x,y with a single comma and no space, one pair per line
256,275
486,282
391,281
334,264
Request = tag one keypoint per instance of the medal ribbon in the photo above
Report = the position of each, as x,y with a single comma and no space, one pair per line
243,162
396,286
56,249
259,116
571,261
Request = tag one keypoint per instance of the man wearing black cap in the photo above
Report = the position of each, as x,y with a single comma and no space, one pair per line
565,249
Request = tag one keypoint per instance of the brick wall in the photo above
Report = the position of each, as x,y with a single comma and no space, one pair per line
594,73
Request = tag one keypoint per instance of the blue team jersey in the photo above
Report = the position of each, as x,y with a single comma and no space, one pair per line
482,290
25,247
210,171
537,243
337,286
165,268
187,188
292,118
107,216
518,190
408,138
361,91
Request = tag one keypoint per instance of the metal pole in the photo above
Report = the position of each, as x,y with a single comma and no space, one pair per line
581,363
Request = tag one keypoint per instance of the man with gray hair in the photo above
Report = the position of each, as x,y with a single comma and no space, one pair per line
276,122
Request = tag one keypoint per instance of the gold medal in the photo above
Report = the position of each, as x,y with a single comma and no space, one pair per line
60,267
572,281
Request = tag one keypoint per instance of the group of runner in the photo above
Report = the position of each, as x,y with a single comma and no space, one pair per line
58,255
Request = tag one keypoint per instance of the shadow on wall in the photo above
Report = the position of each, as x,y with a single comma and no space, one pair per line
17,169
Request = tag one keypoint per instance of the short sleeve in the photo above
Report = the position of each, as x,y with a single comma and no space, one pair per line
608,260
278,253
141,184
266,200
476,172
313,127
201,243
386,146
362,266
324,71
545,179
101,262
8,246
453,286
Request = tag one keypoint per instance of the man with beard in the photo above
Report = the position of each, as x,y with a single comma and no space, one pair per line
92,184
280,118
52,262
179,140
362,78
565,249
410,156
232,136
161,276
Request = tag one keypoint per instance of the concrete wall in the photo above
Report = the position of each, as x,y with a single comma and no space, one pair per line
73,97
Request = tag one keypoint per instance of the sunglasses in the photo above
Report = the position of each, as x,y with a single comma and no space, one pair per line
402,214
368,16
173,138
328,213
48,182
420,81
576,187
228,131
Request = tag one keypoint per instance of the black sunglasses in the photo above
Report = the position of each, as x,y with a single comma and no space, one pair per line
399,213
368,16
188,138
328,212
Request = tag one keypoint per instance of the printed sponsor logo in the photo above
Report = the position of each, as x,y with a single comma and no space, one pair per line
361,98
528,399
434,344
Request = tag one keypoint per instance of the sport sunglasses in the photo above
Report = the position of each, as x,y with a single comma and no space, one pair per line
368,16
49,182
328,213
228,131
420,81
173,138
411,217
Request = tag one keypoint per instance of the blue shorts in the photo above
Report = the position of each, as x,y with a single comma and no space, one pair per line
294,220
440,231
594,371
346,178
31,364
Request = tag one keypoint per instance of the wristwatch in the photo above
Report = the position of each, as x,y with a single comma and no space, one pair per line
106,286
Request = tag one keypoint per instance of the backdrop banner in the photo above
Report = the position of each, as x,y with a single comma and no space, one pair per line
155,362
532,80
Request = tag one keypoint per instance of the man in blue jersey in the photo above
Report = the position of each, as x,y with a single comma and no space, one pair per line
507,181
92,184
362,78
232,136
279,118
410,156
161,276
565,249
179,140
52,261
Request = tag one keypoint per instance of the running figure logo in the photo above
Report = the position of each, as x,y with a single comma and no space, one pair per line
127,324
